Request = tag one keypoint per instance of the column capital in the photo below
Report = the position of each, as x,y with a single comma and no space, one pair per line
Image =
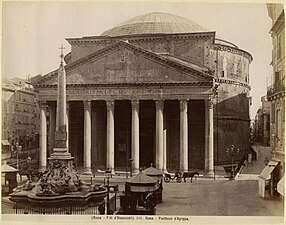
43,104
159,104
183,105
110,104
209,103
87,104
135,104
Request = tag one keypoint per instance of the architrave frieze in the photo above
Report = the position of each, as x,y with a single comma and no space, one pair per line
124,92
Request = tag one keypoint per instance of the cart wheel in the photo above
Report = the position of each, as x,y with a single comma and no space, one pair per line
167,179
179,179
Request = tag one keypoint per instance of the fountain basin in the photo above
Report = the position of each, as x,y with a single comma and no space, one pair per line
84,197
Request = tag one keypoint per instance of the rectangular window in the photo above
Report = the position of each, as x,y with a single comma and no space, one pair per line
277,76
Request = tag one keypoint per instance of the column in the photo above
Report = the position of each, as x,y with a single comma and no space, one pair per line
159,134
165,151
135,134
87,137
52,128
67,123
165,143
110,135
43,136
209,138
184,135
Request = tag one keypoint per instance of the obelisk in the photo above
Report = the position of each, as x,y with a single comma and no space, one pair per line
60,149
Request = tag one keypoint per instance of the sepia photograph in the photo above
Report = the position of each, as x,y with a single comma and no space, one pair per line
143,111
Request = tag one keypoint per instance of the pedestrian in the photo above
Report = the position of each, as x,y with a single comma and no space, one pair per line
177,173
266,161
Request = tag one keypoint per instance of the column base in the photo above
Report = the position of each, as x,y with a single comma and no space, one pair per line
87,172
113,171
135,171
209,174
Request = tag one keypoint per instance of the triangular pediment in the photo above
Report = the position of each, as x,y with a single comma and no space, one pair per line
125,63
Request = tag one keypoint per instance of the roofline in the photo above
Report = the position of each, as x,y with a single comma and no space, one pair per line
89,58
144,36
278,22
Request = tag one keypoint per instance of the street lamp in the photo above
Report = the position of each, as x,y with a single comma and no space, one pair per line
108,175
232,152
18,148
29,170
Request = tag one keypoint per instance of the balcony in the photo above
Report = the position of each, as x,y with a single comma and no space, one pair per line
276,88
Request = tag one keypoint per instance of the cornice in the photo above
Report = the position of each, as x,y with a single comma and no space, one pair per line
222,117
221,47
226,81
140,37
276,95
278,23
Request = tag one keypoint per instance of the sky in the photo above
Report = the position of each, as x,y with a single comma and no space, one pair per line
33,32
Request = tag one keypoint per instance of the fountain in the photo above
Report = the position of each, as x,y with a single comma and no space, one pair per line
59,185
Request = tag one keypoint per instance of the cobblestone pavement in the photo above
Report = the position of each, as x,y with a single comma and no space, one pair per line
207,197
217,198
258,165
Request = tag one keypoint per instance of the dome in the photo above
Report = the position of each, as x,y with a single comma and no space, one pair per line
154,23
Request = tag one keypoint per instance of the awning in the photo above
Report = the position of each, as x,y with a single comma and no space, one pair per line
280,186
266,172
7,169
5,142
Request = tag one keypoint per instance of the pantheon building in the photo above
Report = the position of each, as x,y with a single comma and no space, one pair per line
157,88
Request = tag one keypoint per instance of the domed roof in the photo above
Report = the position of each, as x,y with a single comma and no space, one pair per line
155,23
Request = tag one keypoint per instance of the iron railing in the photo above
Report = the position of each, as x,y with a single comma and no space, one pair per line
277,87
65,208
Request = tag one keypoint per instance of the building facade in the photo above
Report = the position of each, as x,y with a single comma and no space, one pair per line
262,123
276,92
157,89
20,116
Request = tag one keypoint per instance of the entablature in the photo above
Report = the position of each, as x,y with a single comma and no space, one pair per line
124,92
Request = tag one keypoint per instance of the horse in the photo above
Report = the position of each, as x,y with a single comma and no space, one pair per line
191,175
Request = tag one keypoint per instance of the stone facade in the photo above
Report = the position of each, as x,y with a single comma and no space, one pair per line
153,98
20,112
276,95
276,92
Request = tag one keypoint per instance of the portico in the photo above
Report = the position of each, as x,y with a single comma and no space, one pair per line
134,128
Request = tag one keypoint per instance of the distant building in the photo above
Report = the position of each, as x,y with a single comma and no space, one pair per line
276,92
20,116
262,123
258,126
